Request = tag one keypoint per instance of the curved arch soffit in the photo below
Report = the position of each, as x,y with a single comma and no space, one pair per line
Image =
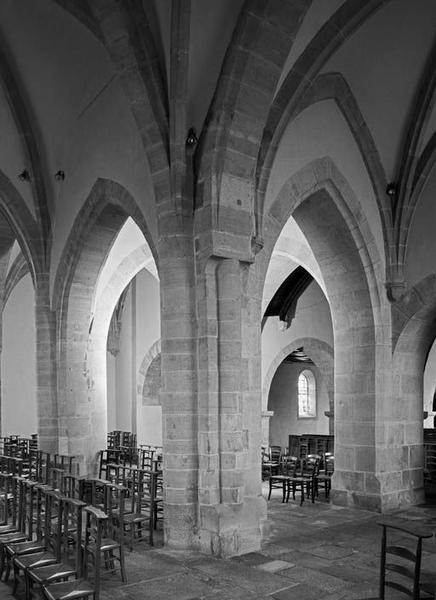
17,271
126,270
414,318
311,268
152,353
322,174
334,87
313,347
104,194
24,226
342,24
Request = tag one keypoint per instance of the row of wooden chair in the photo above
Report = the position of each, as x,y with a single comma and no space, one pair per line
37,465
145,502
16,445
45,526
121,439
142,458
306,475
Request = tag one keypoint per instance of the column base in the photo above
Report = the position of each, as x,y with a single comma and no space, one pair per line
377,502
232,529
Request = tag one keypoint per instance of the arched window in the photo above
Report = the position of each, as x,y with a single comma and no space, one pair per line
306,395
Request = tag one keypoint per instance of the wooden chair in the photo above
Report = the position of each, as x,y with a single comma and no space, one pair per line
82,587
266,465
282,479
111,456
158,496
430,469
64,462
69,563
141,508
55,478
275,453
94,492
323,478
72,486
8,505
22,533
301,479
46,549
113,543
304,446
400,560
269,466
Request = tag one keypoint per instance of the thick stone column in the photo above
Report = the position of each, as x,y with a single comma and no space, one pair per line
179,387
46,373
231,507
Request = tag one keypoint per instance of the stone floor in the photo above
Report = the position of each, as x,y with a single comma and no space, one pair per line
310,552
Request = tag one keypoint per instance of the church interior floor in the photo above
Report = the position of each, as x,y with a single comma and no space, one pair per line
308,552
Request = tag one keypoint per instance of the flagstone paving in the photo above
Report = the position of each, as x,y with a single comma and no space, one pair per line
316,551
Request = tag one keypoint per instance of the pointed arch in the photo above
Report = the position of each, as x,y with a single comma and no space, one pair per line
127,34
104,194
92,235
27,130
320,352
330,216
342,24
414,331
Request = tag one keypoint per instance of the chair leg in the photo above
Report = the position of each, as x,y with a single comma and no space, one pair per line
7,566
270,488
2,562
311,488
122,565
283,491
14,589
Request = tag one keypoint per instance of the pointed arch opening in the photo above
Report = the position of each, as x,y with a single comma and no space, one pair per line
84,318
325,209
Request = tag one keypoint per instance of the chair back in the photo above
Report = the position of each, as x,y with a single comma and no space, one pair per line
396,574
275,453
52,523
72,531
289,465
329,464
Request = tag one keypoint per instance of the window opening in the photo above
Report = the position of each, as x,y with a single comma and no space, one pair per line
306,395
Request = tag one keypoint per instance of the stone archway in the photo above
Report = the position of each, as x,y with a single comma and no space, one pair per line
96,365
81,401
322,355
325,208
414,331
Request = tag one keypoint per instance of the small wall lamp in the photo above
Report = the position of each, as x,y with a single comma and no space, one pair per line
191,140
59,176
24,175
391,189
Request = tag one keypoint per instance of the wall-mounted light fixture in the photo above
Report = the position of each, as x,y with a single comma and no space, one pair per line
391,189
24,175
191,140
59,176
